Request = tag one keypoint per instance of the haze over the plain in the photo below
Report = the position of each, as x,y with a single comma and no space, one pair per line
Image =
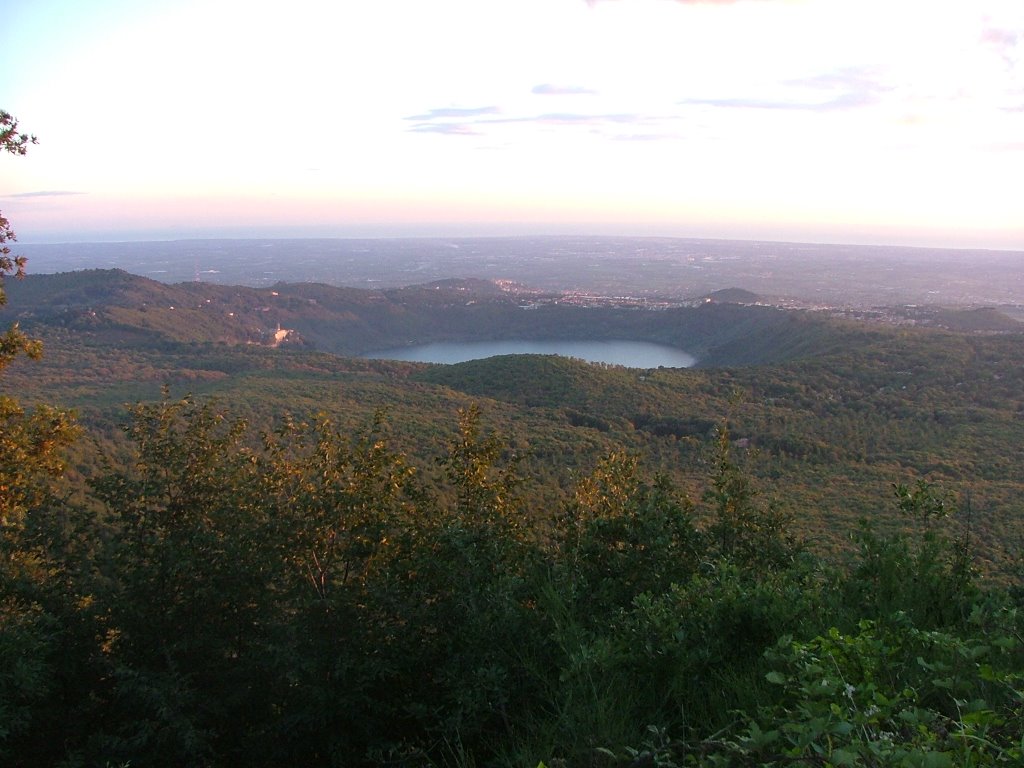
830,275
864,121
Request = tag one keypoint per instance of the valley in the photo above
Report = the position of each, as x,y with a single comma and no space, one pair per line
831,410
364,561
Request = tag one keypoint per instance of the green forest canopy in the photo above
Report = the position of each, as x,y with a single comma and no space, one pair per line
322,560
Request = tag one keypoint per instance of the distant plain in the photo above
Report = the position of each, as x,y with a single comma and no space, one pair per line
853,276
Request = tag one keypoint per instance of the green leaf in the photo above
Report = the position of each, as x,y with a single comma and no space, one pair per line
937,760
843,757
842,728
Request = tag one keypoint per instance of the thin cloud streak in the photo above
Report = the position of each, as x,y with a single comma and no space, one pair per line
1000,38
474,127
848,89
572,118
447,129
445,112
45,193
1007,44
547,89
846,101
849,80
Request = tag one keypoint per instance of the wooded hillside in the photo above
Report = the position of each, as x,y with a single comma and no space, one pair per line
287,557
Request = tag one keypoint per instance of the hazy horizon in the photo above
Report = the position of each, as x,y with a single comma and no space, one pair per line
833,274
468,233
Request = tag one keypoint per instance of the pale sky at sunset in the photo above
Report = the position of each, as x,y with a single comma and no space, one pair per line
864,121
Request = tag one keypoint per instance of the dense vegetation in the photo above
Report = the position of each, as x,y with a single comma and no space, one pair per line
307,597
328,561
832,416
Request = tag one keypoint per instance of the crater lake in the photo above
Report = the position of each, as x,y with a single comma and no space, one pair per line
631,354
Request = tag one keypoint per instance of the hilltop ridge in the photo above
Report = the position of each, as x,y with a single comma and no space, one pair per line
354,321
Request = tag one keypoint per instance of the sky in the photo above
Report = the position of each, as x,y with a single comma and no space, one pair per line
860,121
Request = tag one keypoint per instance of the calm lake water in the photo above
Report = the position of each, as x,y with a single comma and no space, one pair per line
632,354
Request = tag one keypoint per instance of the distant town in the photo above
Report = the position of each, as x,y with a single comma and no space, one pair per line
891,284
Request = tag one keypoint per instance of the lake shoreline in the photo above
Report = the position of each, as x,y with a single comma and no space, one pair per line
630,354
